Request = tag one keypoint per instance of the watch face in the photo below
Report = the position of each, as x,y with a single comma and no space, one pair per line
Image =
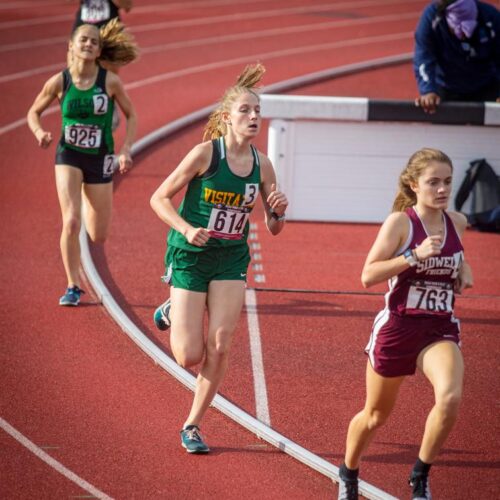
408,255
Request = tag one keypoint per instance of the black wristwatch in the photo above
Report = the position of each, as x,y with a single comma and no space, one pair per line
410,257
277,217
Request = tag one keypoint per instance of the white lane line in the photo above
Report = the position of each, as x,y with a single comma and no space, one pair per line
297,81
23,121
252,35
58,466
32,72
144,9
309,9
259,379
24,23
184,23
37,43
269,55
31,5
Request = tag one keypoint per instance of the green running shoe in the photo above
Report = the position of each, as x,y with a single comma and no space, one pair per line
162,316
71,297
191,440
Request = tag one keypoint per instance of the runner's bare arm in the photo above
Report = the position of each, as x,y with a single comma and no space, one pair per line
275,201
380,263
51,90
193,164
465,278
116,90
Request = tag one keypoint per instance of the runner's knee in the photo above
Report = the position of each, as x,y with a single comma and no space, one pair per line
221,344
449,402
71,225
187,357
376,419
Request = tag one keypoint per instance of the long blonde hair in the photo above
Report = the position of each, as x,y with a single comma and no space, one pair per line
246,82
118,45
417,163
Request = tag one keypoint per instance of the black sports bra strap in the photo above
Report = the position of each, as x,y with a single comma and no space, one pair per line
101,78
214,163
66,81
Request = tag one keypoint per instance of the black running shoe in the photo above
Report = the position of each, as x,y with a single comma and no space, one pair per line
348,486
420,487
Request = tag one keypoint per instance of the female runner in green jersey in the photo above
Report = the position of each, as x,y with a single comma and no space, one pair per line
85,158
207,255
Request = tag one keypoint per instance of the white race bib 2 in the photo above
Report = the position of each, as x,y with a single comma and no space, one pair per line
110,165
100,104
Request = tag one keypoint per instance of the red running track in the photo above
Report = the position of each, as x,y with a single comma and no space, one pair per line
79,389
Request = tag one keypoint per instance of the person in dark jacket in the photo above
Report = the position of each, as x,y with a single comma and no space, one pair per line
457,53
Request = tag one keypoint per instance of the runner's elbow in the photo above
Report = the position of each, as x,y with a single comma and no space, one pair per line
366,280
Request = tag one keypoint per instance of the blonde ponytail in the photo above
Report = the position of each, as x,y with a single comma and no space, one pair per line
118,45
246,82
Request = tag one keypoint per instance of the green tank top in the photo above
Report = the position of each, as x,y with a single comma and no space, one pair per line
220,201
87,116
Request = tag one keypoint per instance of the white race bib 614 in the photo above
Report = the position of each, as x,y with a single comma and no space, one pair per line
83,136
228,223
432,299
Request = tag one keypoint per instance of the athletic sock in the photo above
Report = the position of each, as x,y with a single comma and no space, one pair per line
348,474
421,468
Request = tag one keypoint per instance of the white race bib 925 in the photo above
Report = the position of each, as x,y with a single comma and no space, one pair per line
83,136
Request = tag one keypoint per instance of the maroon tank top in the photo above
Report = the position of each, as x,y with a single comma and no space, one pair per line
427,288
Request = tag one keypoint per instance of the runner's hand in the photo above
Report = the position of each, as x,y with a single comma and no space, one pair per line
465,279
197,236
277,201
429,247
124,162
44,138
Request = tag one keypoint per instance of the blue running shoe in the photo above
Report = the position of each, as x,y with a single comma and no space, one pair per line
191,440
71,297
162,316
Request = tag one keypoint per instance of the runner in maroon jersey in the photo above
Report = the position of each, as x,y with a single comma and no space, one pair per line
418,249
